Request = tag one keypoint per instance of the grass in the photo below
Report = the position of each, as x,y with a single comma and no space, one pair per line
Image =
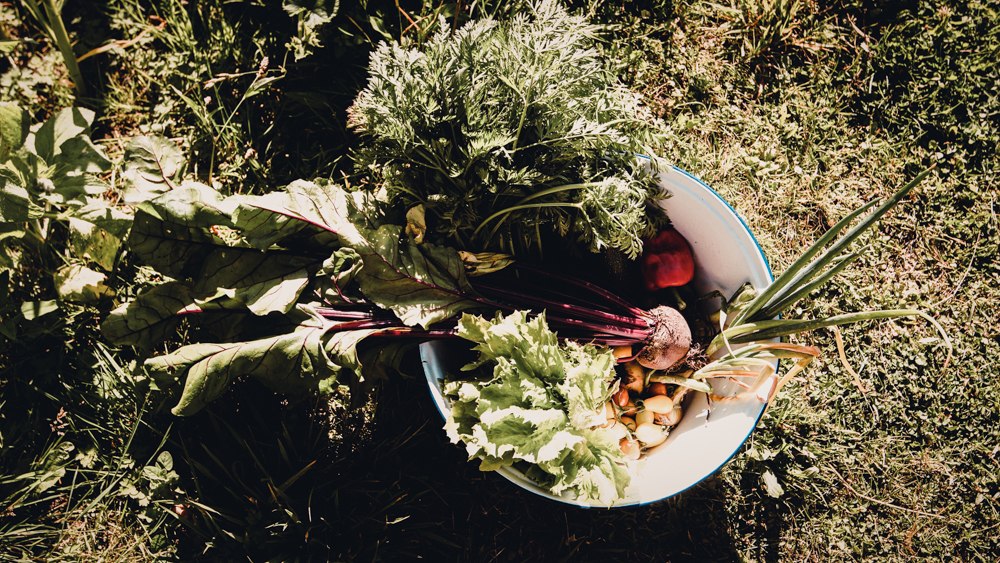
796,112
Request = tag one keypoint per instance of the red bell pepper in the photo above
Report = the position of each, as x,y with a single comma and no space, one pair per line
667,260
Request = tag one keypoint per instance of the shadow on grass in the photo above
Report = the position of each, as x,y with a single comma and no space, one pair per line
407,494
482,517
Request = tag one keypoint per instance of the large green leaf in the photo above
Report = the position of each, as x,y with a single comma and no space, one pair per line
112,219
264,282
91,242
233,279
173,233
290,363
150,318
13,128
421,283
47,140
336,273
302,206
15,202
152,166
74,170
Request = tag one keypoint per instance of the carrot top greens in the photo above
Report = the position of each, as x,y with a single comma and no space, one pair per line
509,130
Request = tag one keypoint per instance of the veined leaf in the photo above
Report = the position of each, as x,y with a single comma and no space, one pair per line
47,139
79,156
265,282
264,221
150,318
152,166
233,279
173,232
290,363
422,284
104,216
89,241
15,203
337,272
14,123
207,369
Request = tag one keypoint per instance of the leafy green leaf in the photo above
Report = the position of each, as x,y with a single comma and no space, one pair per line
31,310
79,156
172,233
47,140
384,359
150,318
261,222
91,242
15,203
291,363
152,166
112,219
336,273
263,282
74,170
14,123
80,284
541,404
421,283
302,206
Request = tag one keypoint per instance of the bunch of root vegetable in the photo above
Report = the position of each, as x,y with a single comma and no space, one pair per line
657,371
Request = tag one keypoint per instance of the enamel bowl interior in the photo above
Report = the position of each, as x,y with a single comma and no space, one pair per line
726,257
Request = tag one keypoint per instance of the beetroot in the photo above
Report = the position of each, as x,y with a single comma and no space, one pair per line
670,339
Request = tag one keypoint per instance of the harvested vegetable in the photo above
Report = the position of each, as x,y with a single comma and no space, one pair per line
667,260
508,131
308,240
478,146
539,404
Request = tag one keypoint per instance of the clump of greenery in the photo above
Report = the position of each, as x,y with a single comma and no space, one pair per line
936,86
505,130
52,211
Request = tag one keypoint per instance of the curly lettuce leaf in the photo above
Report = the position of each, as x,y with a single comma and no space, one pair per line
539,405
